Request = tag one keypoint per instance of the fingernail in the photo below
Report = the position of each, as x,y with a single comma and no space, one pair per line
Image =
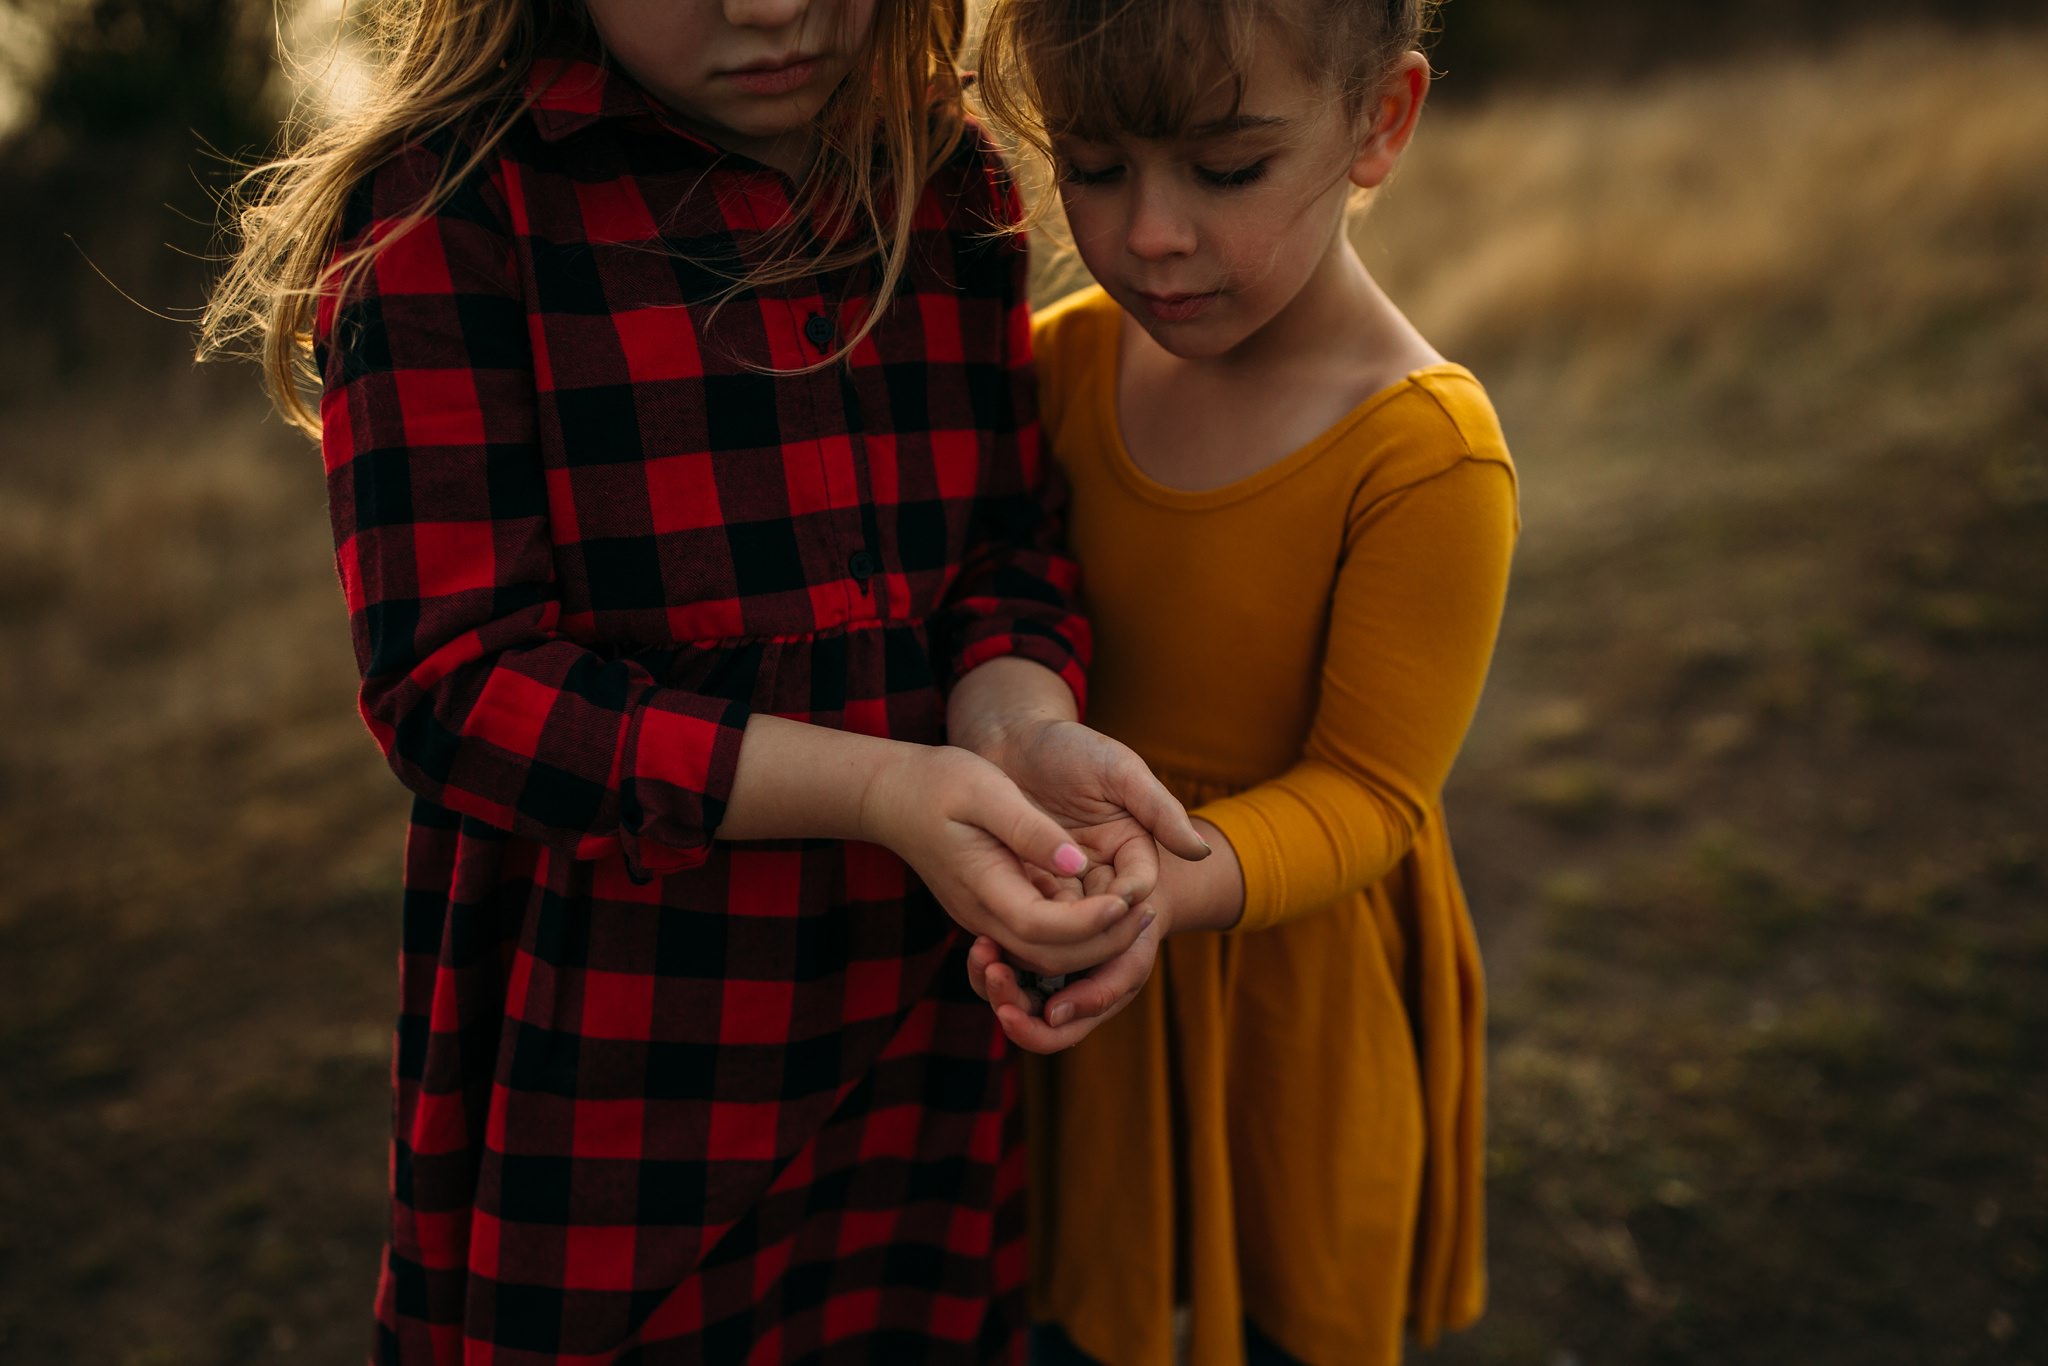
1060,1014
1069,860
1205,845
1146,923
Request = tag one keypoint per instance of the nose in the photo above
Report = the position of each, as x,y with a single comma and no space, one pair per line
1157,228
768,14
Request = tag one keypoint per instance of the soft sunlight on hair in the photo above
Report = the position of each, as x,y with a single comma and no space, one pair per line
458,69
1095,69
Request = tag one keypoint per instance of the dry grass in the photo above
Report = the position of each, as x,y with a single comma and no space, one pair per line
1752,814
1694,220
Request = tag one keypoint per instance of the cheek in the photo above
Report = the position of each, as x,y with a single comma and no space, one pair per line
1091,221
1279,242
857,19
653,37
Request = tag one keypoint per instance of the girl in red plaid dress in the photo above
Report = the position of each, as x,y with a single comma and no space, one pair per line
675,398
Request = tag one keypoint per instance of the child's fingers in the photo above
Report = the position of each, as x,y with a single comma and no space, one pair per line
1085,998
1057,936
1136,789
1062,888
1053,958
983,954
1035,1035
1029,833
1006,988
1135,870
1101,994
1108,988
990,893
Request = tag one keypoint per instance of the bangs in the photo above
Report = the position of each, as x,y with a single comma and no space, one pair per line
1098,69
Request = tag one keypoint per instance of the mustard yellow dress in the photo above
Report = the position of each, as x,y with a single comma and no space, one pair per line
1286,1123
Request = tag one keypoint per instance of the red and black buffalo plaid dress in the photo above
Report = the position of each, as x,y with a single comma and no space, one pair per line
660,1099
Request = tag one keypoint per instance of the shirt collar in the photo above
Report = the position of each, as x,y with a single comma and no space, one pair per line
571,90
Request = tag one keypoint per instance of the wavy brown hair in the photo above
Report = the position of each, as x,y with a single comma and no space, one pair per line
1093,69
460,67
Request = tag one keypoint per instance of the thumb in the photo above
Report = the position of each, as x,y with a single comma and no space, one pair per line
1027,832
1146,798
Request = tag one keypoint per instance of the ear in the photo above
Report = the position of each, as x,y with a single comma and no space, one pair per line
1393,115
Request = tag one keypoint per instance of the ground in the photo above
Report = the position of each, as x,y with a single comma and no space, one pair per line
1752,818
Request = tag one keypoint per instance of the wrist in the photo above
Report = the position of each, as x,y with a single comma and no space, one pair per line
1204,896
998,708
894,773
1004,740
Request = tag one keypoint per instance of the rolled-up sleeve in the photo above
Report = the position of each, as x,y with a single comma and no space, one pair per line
439,502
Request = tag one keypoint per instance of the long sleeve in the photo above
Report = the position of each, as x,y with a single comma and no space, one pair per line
439,501
1416,607
1018,592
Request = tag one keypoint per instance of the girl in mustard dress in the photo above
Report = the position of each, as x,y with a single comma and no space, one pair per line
1295,519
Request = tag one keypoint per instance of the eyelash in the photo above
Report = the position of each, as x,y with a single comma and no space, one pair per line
1235,179
1071,174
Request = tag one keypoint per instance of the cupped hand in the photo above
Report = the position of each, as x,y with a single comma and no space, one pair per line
1048,1025
1104,795
993,859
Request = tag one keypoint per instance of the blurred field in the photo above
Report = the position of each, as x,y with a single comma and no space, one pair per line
1754,811
1753,816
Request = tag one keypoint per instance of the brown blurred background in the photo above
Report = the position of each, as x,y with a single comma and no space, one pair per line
1753,816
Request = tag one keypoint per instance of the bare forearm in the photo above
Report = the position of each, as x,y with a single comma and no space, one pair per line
1204,895
1001,699
798,781
962,826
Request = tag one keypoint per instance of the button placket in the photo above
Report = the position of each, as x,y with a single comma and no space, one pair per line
864,564
855,524
842,480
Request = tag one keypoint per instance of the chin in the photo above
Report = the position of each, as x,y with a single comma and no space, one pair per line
777,125
1187,343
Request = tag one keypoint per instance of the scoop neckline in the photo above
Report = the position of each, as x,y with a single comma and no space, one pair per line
1145,486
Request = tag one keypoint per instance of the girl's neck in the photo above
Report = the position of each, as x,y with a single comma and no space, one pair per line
1206,422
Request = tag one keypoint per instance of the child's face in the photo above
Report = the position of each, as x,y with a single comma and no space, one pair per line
750,75
1206,238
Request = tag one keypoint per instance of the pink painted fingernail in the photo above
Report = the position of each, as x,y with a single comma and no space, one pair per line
1069,860
1060,1014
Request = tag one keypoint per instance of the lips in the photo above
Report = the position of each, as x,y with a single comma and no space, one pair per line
1175,308
774,75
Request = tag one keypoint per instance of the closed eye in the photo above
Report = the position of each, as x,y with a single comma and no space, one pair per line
1071,174
1235,178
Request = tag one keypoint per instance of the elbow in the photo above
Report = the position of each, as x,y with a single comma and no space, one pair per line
418,748
1368,823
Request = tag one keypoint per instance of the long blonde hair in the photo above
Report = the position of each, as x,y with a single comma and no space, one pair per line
461,67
